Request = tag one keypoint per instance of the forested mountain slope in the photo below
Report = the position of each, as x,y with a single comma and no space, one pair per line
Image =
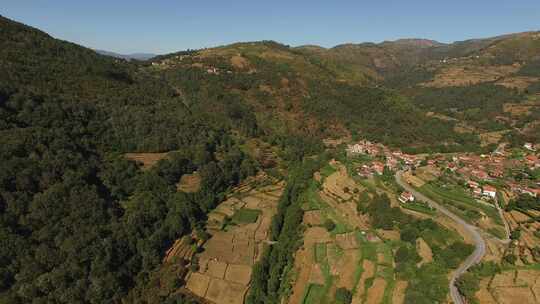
291,93
81,224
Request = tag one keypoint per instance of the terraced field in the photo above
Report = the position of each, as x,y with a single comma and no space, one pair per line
515,286
239,229
351,256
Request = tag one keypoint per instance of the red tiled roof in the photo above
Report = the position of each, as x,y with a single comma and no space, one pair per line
489,188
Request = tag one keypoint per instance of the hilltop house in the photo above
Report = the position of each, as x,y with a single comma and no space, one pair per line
406,197
489,191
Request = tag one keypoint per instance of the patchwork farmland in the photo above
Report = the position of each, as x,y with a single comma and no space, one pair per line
239,229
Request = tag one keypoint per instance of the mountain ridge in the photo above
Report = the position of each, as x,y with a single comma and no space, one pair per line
136,56
81,223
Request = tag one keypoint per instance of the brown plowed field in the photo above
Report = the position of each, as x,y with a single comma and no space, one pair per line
228,256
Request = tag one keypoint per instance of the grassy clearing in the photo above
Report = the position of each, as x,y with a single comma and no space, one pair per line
340,228
389,291
419,207
461,202
440,236
386,250
246,216
498,232
453,194
322,294
328,281
386,270
369,251
357,275
359,267
314,294
314,201
320,252
367,183
535,266
327,171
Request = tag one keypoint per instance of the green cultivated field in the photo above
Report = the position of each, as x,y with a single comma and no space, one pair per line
314,295
419,207
320,252
246,216
460,202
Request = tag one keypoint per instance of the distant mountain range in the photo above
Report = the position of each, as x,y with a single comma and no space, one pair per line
81,224
136,56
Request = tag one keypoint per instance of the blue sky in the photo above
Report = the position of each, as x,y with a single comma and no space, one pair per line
161,26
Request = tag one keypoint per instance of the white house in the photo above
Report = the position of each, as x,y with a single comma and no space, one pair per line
529,146
356,148
406,197
489,191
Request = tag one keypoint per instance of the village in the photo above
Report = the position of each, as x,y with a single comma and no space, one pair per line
508,170
496,193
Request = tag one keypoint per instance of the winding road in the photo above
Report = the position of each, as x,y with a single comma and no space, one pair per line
480,244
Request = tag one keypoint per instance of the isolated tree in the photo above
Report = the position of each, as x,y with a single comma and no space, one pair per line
343,296
515,234
329,225
409,234
510,259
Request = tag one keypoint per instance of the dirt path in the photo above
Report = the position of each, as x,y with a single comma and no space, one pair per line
480,244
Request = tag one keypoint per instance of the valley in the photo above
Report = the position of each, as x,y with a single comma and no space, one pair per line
399,172
351,251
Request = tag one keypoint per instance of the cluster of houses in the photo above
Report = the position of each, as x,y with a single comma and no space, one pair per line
373,168
216,71
498,166
450,60
477,170
521,189
176,60
485,191
386,158
365,147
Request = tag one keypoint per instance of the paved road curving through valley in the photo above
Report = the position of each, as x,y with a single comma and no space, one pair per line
479,243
